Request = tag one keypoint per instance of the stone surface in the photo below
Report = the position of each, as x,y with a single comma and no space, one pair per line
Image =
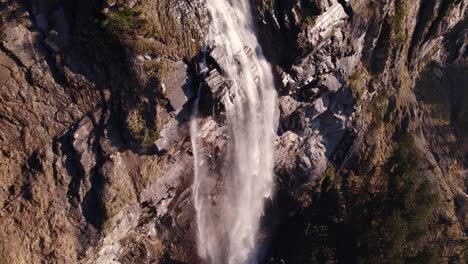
20,41
324,24
177,86
78,185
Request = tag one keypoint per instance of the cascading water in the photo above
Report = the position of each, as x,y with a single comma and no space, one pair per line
228,223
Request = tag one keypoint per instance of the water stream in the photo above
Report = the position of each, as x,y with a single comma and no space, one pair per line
228,221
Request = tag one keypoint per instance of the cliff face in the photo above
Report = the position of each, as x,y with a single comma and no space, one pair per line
96,162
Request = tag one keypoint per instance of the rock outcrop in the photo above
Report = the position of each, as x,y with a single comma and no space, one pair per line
96,162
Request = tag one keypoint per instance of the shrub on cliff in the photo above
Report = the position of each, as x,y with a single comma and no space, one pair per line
124,22
394,228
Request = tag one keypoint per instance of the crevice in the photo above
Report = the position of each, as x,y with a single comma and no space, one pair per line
12,56
442,12
382,48
347,7
17,123
93,205
73,166
427,8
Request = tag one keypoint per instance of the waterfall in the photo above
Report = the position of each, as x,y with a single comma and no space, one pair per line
228,220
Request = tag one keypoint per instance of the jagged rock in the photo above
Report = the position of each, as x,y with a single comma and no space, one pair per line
216,82
170,135
72,181
21,42
83,142
324,25
314,157
320,106
178,88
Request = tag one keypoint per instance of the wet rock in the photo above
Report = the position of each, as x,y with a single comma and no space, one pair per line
216,82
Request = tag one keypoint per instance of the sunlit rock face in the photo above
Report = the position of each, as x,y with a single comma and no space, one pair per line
129,128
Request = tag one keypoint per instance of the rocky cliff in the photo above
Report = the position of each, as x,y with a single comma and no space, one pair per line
371,157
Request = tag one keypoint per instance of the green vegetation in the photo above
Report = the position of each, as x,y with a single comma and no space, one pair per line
106,37
125,22
394,225
358,82
378,108
125,25
308,21
150,136
371,7
399,30
309,192
265,6
366,164
141,127
442,93
382,216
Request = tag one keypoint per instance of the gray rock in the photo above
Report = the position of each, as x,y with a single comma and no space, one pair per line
214,80
20,41
311,158
331,82
83,145
324,25
177,87
218,55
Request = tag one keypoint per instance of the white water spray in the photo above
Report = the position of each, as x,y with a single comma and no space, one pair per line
228,219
